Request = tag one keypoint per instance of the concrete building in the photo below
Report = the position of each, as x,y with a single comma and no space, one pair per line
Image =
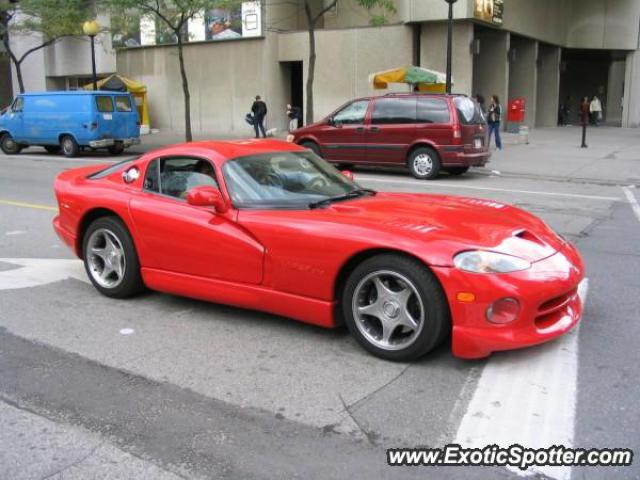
546,51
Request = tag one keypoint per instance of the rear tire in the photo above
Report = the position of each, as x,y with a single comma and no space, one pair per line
9,145
116,149
69,146
110,258
313,146
456,170
52,148
424,163
395,307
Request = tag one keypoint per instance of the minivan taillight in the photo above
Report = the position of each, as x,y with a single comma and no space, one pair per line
457,134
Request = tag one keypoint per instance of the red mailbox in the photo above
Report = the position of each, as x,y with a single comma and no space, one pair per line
516,110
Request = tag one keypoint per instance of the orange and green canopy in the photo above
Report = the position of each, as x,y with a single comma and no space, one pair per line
423,78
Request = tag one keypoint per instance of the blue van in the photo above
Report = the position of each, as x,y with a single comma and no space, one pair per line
70,121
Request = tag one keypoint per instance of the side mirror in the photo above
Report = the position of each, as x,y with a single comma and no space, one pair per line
348,174
331,121
206,196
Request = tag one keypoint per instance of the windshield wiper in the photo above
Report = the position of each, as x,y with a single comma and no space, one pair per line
358,192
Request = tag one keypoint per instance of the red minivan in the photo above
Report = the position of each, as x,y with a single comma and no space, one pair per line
428,133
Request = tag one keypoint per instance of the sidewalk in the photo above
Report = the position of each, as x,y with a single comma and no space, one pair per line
613,155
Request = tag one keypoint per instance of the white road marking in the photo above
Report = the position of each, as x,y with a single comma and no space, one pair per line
15,232
527,397
33,272
492,189
127,331
632,201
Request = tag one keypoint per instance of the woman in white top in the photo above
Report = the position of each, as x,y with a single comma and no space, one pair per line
595,109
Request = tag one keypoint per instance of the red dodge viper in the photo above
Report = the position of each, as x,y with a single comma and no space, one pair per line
268,225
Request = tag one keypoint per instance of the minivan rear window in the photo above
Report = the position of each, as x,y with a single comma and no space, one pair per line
104,103
469,112
432,110
123,104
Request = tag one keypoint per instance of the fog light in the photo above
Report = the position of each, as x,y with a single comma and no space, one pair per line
503,311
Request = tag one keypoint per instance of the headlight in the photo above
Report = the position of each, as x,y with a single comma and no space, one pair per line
480,261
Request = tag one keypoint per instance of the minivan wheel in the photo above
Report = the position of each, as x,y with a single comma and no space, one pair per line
456,170
313,146
69,146
9,145
424,163
395,307
110,258
116,149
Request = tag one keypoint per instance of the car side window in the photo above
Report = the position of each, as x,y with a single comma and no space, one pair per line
178,175
152,177
394,111
352,114
432,110
104,103
18,104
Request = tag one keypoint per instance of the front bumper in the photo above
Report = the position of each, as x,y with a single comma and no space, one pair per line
67,237
548,293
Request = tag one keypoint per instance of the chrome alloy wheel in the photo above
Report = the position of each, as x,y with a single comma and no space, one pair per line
423,164
388,310
106,258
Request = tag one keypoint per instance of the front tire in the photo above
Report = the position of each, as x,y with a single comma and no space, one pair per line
424,163
313,146
69,146
395,307
9,145
110,258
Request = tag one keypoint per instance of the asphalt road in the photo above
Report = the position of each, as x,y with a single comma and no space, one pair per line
166,387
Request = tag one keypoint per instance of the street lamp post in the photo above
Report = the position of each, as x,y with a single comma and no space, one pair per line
91,29
449,42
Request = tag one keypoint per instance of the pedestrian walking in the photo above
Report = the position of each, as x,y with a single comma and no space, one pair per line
294,114
595,109
493,120
259,110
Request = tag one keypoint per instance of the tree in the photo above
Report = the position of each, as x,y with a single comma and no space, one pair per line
174,15
387,6
48,20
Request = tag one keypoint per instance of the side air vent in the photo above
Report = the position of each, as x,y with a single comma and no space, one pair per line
527,235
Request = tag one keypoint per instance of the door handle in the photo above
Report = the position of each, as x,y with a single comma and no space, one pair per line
359,129
374,129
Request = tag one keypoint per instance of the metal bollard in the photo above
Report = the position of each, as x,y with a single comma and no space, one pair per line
523,133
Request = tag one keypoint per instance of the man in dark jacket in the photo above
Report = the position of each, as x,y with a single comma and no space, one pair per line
259,110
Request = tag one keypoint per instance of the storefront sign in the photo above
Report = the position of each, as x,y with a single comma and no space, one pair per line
489,11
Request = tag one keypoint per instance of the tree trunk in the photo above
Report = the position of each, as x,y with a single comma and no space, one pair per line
18,66
16,62
185,90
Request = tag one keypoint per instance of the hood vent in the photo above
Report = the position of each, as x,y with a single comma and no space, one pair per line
527,235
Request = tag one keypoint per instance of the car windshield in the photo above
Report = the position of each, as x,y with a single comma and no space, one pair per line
286,180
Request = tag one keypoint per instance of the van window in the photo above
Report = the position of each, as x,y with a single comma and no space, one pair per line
123,104
104,103
468,111
352,114
432,110
17,105
394,110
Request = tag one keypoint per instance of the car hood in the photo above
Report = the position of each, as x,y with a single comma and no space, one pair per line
457,223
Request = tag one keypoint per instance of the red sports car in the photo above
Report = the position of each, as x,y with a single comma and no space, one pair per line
270,226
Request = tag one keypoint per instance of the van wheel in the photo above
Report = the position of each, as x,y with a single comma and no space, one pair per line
52,148
9,145
313,146
424,163
116,149
69,146
456,170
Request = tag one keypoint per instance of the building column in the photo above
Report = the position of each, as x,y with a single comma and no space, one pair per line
615,92
631,102
523,74
433,52
548,95
490,65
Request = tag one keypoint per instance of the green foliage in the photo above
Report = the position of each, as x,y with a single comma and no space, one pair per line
52,18
378,19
